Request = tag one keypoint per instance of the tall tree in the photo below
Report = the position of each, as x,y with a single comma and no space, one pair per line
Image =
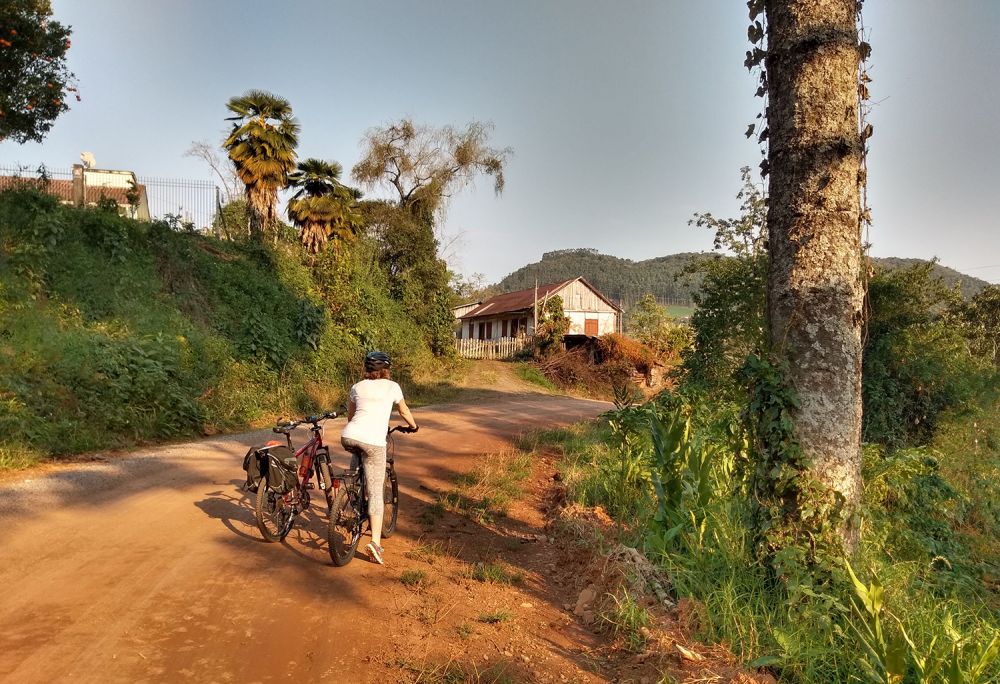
34,78
815,287
323,207
262,147
422,167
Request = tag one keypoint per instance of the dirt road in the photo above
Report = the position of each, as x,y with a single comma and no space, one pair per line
150,568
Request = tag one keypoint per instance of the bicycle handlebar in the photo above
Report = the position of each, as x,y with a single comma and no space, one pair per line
282,428
403,428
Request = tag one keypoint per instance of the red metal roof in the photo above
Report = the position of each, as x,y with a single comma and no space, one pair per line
63,189
515,301
523,300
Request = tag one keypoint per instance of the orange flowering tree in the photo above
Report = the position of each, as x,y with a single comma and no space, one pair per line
34,79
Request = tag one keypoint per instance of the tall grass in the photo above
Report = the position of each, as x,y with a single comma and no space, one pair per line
929,540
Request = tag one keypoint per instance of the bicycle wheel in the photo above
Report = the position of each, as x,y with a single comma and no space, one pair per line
344,531
390,495
274,515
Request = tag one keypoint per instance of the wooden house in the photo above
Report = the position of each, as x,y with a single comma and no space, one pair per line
512,314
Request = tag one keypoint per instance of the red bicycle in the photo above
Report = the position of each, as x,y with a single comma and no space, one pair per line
286,476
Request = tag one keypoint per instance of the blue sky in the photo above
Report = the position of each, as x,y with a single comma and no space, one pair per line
625,117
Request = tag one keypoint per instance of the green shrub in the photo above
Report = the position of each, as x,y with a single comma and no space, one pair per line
917,360
117,332
928,536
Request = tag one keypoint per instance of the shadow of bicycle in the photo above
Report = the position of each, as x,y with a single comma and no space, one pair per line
234,508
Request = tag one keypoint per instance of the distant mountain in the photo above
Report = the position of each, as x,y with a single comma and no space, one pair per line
970,286
625,280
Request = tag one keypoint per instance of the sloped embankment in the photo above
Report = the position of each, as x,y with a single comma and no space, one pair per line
115,332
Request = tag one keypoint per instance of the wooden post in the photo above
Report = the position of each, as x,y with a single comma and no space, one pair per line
534,306
79,186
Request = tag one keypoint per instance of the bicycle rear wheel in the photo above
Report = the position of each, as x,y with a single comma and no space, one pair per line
344,531
390,495
274,515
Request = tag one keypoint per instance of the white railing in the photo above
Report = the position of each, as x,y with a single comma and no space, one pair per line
504,348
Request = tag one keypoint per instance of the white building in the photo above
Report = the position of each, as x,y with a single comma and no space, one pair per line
590,313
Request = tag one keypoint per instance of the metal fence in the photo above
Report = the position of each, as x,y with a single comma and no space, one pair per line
185,201
10,173
192,201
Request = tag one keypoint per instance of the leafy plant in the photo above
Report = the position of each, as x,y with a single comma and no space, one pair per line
35,81
413,578
892,655
553,324
495,617
262,146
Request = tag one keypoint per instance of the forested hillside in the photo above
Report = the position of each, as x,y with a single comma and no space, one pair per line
626,280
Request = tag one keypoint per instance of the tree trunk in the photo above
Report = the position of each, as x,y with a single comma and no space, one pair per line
261,213
815,289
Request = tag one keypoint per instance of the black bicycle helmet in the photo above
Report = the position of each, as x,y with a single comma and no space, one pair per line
377,360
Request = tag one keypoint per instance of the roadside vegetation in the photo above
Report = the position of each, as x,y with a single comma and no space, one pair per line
117,332
681,477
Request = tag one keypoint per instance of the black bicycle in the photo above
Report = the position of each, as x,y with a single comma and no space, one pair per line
349,510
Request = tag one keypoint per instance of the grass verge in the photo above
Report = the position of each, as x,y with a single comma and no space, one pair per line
487,492
529,373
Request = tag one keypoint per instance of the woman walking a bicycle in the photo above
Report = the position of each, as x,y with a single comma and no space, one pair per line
368,413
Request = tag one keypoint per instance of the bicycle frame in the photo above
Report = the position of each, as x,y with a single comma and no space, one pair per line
306,456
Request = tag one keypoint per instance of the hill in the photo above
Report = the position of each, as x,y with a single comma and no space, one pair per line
969,285
625,280
622,280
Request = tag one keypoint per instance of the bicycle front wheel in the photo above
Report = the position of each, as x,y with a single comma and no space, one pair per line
390,495
344,531
274,515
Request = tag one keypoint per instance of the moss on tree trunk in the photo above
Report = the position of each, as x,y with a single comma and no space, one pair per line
815,288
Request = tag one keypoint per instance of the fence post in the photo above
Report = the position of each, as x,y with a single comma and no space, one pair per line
79,189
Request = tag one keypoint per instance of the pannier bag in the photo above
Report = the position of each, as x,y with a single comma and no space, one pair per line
276,463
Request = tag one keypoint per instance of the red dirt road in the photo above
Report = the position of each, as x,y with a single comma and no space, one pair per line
150,567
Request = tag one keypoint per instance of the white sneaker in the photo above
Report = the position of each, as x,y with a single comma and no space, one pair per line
375,552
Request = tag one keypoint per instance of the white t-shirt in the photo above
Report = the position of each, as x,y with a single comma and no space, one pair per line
373,401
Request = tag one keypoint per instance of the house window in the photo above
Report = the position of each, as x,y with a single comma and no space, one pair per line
482,331
472,330
590,327
503,328
489,330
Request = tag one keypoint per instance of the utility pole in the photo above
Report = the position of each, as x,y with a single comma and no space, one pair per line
534,308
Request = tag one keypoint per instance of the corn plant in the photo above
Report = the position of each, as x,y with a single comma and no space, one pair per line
689,475
892,655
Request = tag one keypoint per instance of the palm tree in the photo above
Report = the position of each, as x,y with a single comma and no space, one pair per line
323,207
262,147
